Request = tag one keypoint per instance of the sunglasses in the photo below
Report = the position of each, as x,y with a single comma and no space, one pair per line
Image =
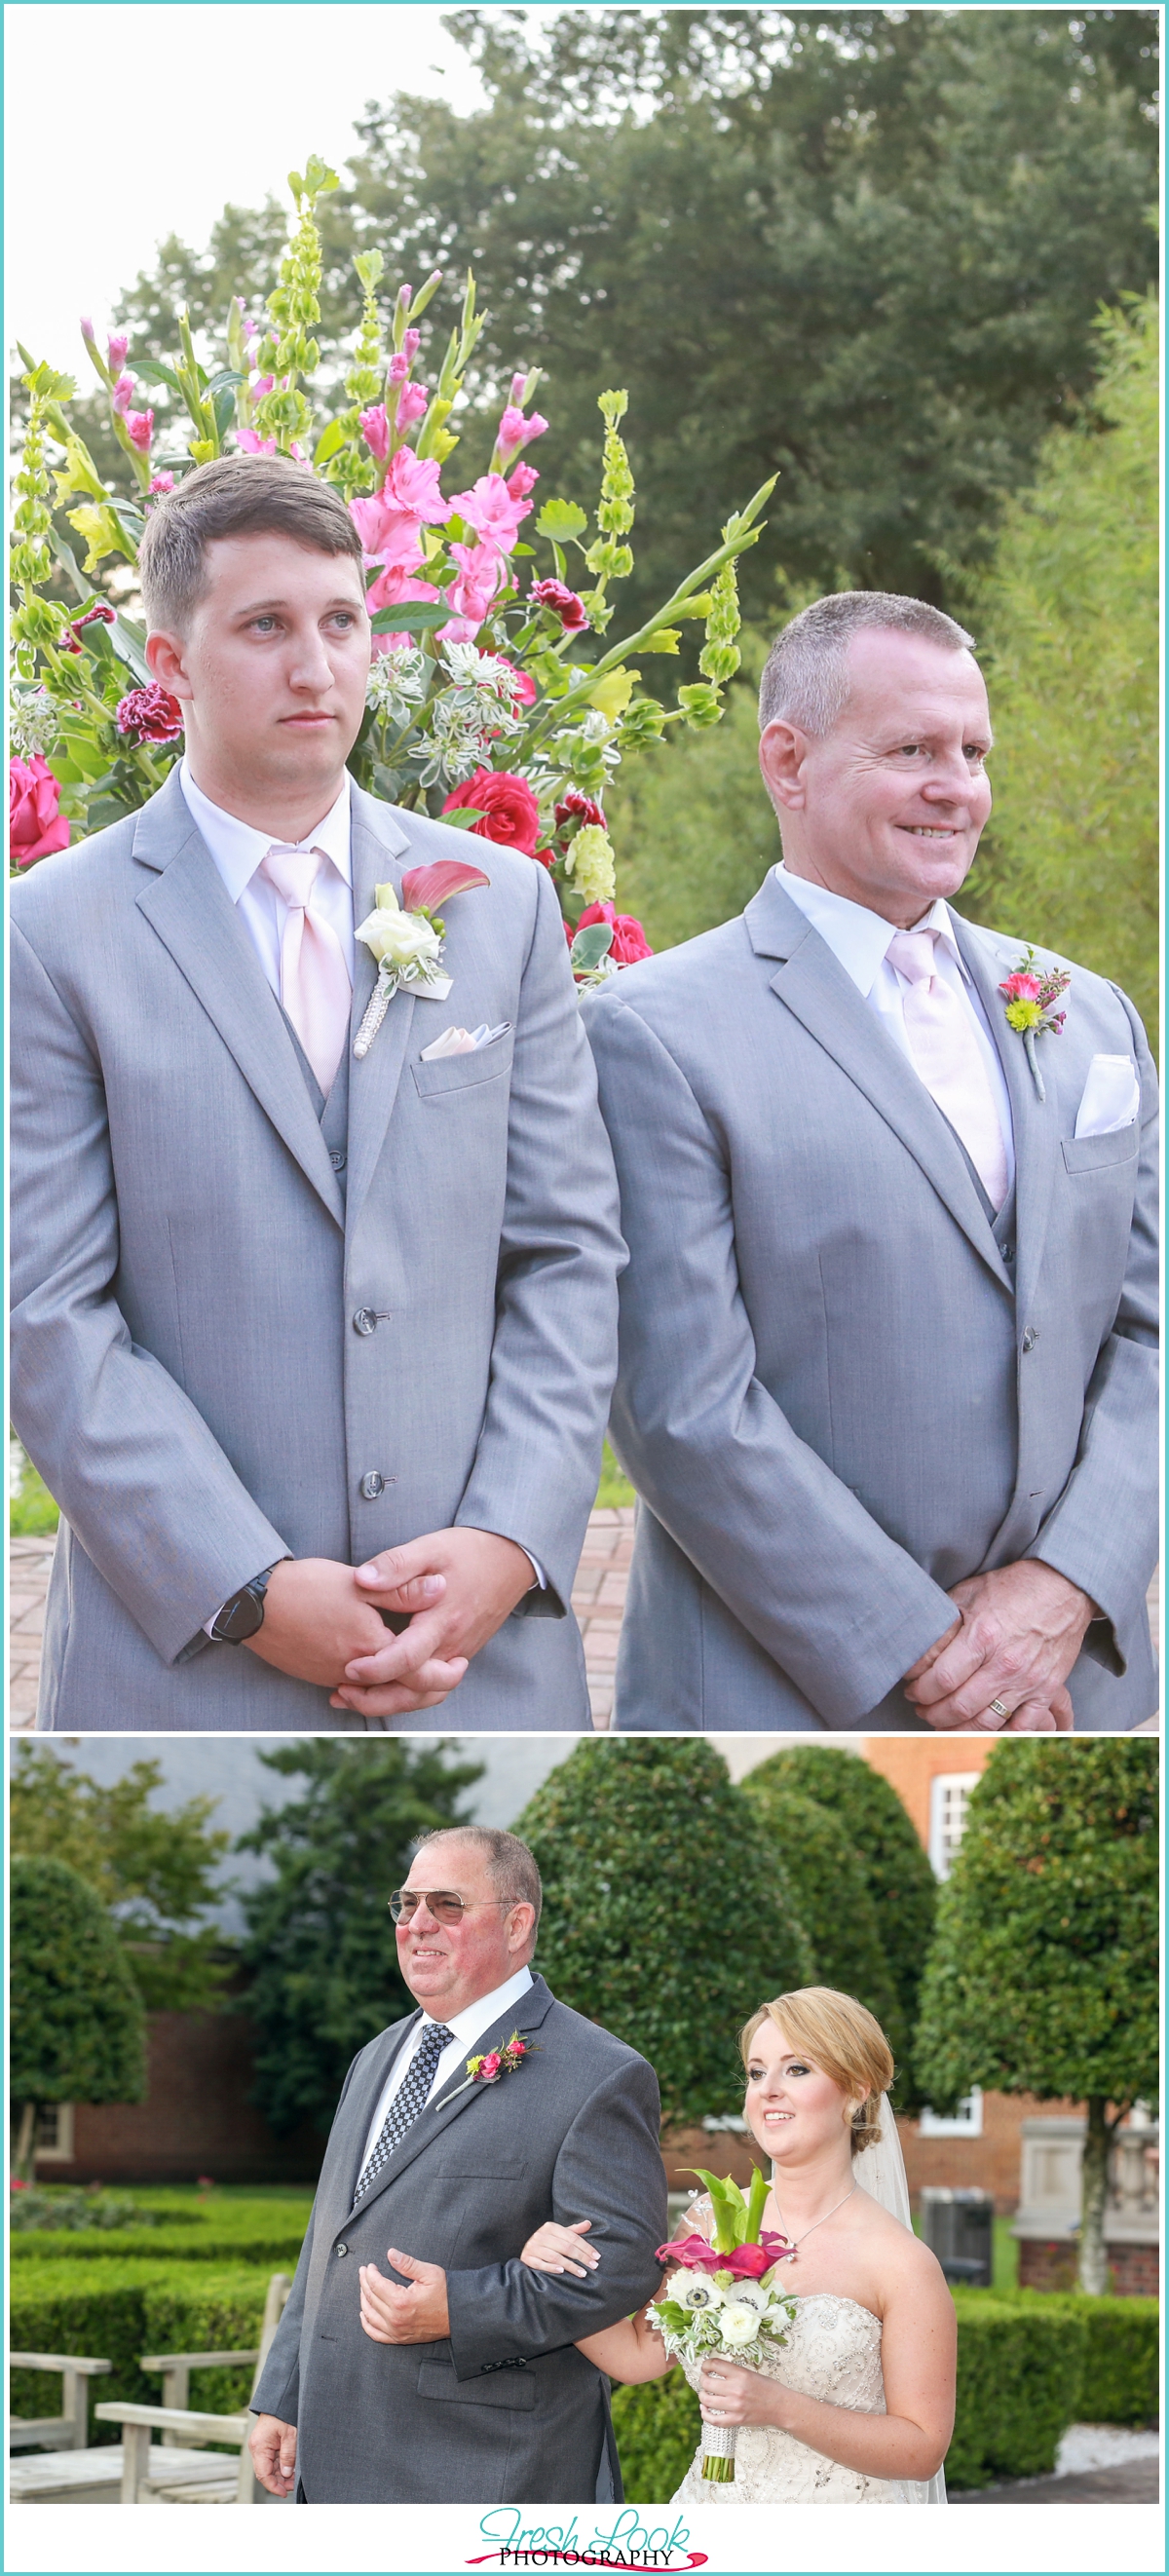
439,1901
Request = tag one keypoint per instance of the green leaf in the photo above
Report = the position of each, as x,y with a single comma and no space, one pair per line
412,617
461,817
223,405
329,441
153,372
561,519
226,376
589,946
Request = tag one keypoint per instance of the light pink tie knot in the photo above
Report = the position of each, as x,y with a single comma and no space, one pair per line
912,953
314,977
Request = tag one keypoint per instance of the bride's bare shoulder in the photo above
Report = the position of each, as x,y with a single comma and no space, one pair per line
903,2256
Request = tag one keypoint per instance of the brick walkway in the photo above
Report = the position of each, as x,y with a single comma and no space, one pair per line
598,1600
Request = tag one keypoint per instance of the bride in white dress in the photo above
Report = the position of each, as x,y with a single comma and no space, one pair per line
857,2407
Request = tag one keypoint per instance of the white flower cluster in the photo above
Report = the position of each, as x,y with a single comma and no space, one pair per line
34,724
397,682
477,711
721,2315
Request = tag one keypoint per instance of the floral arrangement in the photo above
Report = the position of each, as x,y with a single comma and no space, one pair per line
1030,992
723,2299
499,2061
494,698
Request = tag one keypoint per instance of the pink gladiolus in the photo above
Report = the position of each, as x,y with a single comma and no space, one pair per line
521,481
517,389
140,426
254,445
86,327
375,430
263,385
123,394
478,580
117,344
395,584
516,432
162,483
35,826
412,405
493,511
412,483
563,603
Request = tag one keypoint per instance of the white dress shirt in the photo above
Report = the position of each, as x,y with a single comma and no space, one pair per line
468,2026
859,939
238,849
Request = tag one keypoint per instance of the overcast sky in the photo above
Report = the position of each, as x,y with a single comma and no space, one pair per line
128,120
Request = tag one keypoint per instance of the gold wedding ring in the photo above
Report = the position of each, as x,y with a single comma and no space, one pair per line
996,1709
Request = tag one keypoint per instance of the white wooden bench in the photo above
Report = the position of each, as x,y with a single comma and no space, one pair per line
147,2478
68,2431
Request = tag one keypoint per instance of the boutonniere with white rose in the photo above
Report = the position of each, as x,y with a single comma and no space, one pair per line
1030,992
406,938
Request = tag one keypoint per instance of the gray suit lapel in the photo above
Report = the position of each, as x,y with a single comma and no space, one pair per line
457,2095
814,986
1036,1122
380,849
186,903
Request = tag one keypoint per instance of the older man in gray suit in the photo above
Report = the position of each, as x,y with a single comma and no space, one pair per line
298,1338
887,1376
455,2378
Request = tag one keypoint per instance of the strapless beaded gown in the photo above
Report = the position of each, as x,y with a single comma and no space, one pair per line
833,2352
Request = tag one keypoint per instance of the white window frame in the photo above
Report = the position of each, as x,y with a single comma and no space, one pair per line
966,2121
943,1785
61,2152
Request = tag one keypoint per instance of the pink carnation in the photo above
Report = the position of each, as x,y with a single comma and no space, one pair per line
150,715
1022,988
579,808
563,603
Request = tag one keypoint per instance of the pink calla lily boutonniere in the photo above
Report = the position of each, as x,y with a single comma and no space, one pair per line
406,938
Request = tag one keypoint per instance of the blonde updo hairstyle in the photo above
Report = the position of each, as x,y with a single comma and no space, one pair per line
843,2039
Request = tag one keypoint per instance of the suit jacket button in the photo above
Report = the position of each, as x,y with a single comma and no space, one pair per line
372,1485
1030,1338
337,1158
342,2249
365,1320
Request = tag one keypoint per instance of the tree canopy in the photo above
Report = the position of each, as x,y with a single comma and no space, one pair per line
667,1915
154,1868
866,249
1043,1975
320,1942
78,2028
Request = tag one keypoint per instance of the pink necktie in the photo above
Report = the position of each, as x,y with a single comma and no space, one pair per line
314,978
949,1059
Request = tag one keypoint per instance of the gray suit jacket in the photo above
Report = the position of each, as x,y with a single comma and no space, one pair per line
506,2410
837,1395
187,1270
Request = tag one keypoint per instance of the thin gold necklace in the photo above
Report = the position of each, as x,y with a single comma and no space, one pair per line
796,2241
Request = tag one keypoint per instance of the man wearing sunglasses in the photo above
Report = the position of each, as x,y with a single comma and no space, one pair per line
433,2178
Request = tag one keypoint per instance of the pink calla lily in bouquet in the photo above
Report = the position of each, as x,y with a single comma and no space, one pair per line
724,2298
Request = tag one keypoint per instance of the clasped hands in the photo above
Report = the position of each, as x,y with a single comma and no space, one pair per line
322,1620
1018,1633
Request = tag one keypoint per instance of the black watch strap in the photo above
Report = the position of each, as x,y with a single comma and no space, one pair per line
243,1613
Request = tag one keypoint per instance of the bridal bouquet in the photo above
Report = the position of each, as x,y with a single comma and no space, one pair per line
494,699
724,2299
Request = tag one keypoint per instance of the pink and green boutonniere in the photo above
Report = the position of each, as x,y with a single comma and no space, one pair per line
498,2062
406,938
1030,992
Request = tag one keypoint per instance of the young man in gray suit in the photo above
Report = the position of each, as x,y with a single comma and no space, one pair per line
888,1331
455,2378
298,1338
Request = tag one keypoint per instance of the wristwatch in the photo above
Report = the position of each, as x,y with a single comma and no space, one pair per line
243,1612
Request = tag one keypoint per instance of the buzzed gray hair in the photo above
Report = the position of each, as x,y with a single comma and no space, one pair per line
511,1866
805,677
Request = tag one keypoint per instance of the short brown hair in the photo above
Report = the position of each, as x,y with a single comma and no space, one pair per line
511,1866
805,676
846,2041
231,497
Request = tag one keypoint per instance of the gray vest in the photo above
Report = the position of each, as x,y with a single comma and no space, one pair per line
333,1112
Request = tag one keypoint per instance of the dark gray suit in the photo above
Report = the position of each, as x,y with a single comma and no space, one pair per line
239,1331
842,1386
506,2411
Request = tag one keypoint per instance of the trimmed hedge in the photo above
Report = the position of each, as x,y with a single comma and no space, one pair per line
1028,2366
116,2310
253,2230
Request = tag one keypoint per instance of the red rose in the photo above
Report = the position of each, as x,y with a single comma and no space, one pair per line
35,824
151,714
563,603
629,939
579,808
507,809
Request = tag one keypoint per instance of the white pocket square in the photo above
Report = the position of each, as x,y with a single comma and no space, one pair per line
463,1041
1112,1096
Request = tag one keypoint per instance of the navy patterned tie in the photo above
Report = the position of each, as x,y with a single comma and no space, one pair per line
408,2101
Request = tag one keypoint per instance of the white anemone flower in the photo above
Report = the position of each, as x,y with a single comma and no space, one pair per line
751,2294
694,2291
738,2322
